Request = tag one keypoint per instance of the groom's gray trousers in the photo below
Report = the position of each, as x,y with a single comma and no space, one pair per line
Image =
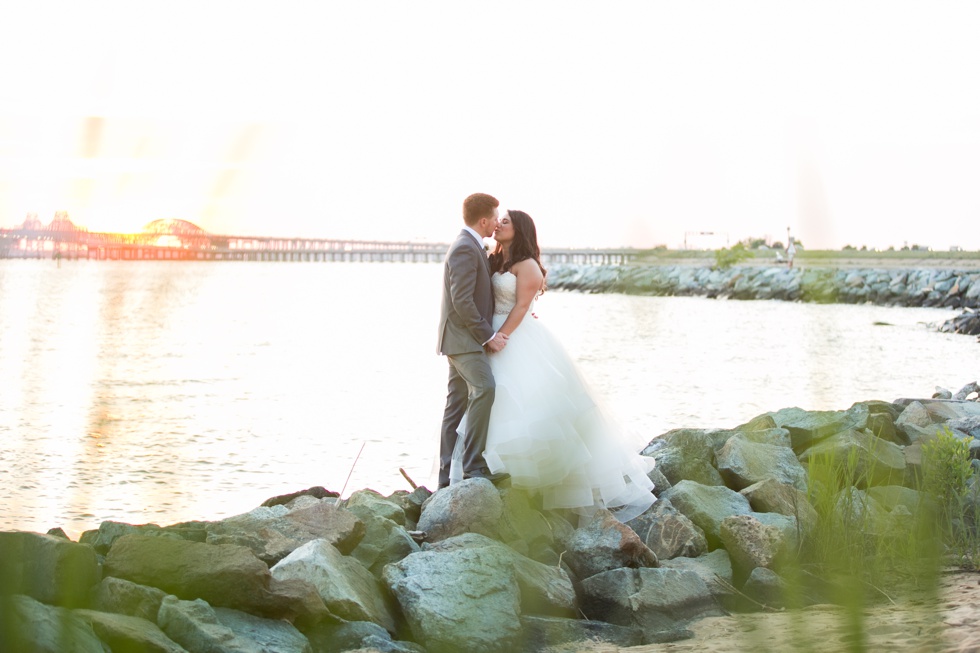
471,392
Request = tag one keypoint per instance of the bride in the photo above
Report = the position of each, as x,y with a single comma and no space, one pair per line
546,429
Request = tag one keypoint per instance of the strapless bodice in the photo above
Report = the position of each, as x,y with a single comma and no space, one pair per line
504,292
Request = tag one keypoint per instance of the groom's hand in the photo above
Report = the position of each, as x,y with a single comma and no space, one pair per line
497,343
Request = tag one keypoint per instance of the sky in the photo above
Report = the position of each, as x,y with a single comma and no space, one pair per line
612,124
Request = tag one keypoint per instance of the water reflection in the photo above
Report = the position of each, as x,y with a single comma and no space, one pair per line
160,391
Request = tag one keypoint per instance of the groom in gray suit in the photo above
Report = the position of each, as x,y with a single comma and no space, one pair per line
465,337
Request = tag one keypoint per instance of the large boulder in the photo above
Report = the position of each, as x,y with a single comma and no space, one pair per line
28,625
355,636
770,495
195,626
654,600
668,532
871,460
766,587
707,506
124,597
47,568
462,600
272,636
384,542
686,454
102,538
809,426
545,589
470,506
605,543
540,633
347,588
222,574
751,544
916,415
890,496
125,633
274,532
742,462
375,504
523,527
712,568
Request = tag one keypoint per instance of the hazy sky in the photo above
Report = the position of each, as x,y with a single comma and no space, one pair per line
612,123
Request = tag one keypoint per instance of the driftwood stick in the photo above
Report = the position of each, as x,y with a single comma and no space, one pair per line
408,478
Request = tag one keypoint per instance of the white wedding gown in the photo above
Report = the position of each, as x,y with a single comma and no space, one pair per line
547,431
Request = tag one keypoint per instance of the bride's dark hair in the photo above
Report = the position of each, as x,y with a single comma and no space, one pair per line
523,247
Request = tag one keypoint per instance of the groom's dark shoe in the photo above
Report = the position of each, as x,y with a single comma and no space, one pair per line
496,479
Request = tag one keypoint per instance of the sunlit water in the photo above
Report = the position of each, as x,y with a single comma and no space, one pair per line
163,392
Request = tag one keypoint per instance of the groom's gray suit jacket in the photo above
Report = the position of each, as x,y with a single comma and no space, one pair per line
467,298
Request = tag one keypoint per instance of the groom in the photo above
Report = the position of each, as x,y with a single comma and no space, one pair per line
465,337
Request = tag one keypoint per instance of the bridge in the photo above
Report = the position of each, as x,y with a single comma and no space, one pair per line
179,240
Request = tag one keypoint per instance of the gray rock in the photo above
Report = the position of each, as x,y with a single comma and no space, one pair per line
47,568
540,633
651,599
605,543
347,588
743,463
272,636
807,427
707,506
376,504
711,567
411,503
686,454
108,532
660,482
522,526
195,626
856,510
384,542
873,461
317,492
772,496
357,635
882,426
222,574
668,533
760,423
970,425
127,598
545,589
890,496
462,600
766,587
470,506
752,544
30,626
273,533
916,415
125,633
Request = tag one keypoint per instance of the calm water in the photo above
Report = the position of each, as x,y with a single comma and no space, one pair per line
165,392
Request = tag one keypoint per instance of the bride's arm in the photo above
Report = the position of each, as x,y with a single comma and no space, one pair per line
529,281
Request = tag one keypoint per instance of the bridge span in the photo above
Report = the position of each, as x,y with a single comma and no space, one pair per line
178,240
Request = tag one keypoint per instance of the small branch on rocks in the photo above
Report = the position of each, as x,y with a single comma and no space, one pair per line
408,478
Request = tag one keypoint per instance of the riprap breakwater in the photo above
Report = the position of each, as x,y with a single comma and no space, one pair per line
885,287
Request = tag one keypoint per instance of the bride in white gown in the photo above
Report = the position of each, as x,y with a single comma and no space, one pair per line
546,430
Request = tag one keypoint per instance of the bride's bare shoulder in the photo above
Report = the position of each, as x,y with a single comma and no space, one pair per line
527,266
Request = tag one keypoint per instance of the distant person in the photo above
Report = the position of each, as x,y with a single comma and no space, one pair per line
465,337
546,429
790,253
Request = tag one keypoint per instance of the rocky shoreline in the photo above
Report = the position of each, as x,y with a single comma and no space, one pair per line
925,287
475,567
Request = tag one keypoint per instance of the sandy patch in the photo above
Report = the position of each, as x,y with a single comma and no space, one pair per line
950,625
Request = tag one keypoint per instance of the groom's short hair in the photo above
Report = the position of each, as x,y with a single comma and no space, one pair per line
478,205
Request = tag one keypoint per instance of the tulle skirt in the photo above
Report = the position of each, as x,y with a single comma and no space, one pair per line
549,433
